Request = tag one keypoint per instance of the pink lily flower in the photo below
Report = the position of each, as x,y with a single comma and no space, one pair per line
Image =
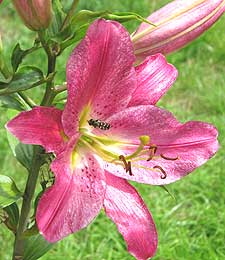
109,132
177,24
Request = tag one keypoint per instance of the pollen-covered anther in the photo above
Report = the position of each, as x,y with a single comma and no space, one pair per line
153,149
164,174
127,165
169,158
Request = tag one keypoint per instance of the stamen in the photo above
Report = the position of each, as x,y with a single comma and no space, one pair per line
144,139
168,158
153,150
164,174
126,164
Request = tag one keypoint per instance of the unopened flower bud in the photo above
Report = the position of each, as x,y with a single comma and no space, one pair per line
36,14
177,24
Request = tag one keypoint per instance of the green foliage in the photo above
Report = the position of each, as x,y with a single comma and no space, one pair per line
36,246
27,77
19,54
22,152
13,216
12,101
9,192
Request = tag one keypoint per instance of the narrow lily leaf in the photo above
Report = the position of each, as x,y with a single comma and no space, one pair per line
82,20
33,231
18,55
58,18
11,101
9,193
35,247
168,191
87,16
22,152
126,16
26,78
13,216
77,36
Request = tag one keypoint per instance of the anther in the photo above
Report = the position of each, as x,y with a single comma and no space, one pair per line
168,158
153,150
126,164
164,174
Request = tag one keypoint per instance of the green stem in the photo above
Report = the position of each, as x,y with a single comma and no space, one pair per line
18,252
26,99
49,93
70,14
26,205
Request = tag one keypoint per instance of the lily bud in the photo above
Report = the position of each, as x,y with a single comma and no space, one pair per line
177,24
36,14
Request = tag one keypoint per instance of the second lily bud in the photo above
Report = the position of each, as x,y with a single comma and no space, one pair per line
177,24
36,14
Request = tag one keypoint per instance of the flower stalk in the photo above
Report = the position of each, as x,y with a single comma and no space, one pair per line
19,244
26,205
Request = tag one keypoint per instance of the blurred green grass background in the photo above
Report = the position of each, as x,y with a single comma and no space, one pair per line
192,227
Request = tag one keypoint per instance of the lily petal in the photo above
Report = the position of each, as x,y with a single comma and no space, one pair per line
193,143
74,200
177,24
126,208
99,74
41,126
154,76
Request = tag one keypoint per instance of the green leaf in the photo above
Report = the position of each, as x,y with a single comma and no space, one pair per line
35,247
58,18
11,101
22,152
125,17
18,55
77,36
27,77
167,190
13,216
87,16
9,193
33,231
81,21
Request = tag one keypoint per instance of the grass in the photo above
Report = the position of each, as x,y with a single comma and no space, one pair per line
190,227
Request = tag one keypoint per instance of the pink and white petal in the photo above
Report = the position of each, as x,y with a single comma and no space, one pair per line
193,143
126,208
75,198
41,126
154,77
99,74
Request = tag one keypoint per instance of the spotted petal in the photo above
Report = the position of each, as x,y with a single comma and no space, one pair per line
193,143
126,208
41,125
99,74
154,77
75,199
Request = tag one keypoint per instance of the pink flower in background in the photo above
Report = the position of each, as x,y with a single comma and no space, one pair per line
177,24
36,14
109,132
